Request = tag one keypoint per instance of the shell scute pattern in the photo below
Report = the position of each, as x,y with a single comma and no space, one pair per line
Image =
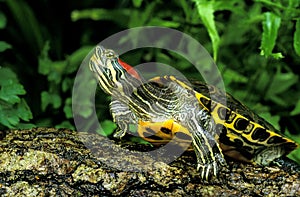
239,130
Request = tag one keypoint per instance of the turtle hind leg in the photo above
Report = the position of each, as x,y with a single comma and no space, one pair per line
286,164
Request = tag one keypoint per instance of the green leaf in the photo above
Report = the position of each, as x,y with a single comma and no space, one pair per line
271,25
2,20
44,122
50,99
262,81
25,126
68,111
279,100
12,119
165,23
273,120
185,6
7,74
12,107
23,111
4,46
231,5
297,38
10,90
119,16
81,102
137,3
65,124
10,115
68,108
108,127
52,69
294,155
45,63
206,13
75,59
234,76
56,72
3,118
94,14
277,55
67,84
138,18
296,110
28,26
281,82
139,140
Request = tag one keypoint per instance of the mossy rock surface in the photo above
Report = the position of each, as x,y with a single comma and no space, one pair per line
58,162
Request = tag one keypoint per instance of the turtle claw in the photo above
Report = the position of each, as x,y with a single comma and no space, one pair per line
207,170
119,133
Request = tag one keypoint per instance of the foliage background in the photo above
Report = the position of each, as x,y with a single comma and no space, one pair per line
256,45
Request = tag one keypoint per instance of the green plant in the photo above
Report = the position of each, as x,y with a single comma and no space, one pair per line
13,108
256,46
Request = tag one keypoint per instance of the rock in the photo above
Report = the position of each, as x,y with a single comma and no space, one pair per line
59,162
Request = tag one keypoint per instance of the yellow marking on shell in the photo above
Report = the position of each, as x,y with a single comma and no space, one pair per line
232,136
247,133
172,78
237,116
168,124
232,133
181,83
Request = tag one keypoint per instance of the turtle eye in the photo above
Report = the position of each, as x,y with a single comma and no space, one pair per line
110,54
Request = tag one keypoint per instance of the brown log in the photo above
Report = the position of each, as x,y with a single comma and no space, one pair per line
59,162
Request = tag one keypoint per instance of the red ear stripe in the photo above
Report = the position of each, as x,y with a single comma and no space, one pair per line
129,69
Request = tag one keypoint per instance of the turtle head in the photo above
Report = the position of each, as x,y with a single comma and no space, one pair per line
109,69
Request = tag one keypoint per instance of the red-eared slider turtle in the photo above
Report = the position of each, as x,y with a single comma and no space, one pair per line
170,107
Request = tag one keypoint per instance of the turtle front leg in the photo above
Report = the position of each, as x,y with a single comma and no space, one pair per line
209,155
209,160
123,117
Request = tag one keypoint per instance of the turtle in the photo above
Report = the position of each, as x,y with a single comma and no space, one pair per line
167,107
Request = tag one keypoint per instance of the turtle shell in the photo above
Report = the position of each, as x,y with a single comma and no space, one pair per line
241,134
165,108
